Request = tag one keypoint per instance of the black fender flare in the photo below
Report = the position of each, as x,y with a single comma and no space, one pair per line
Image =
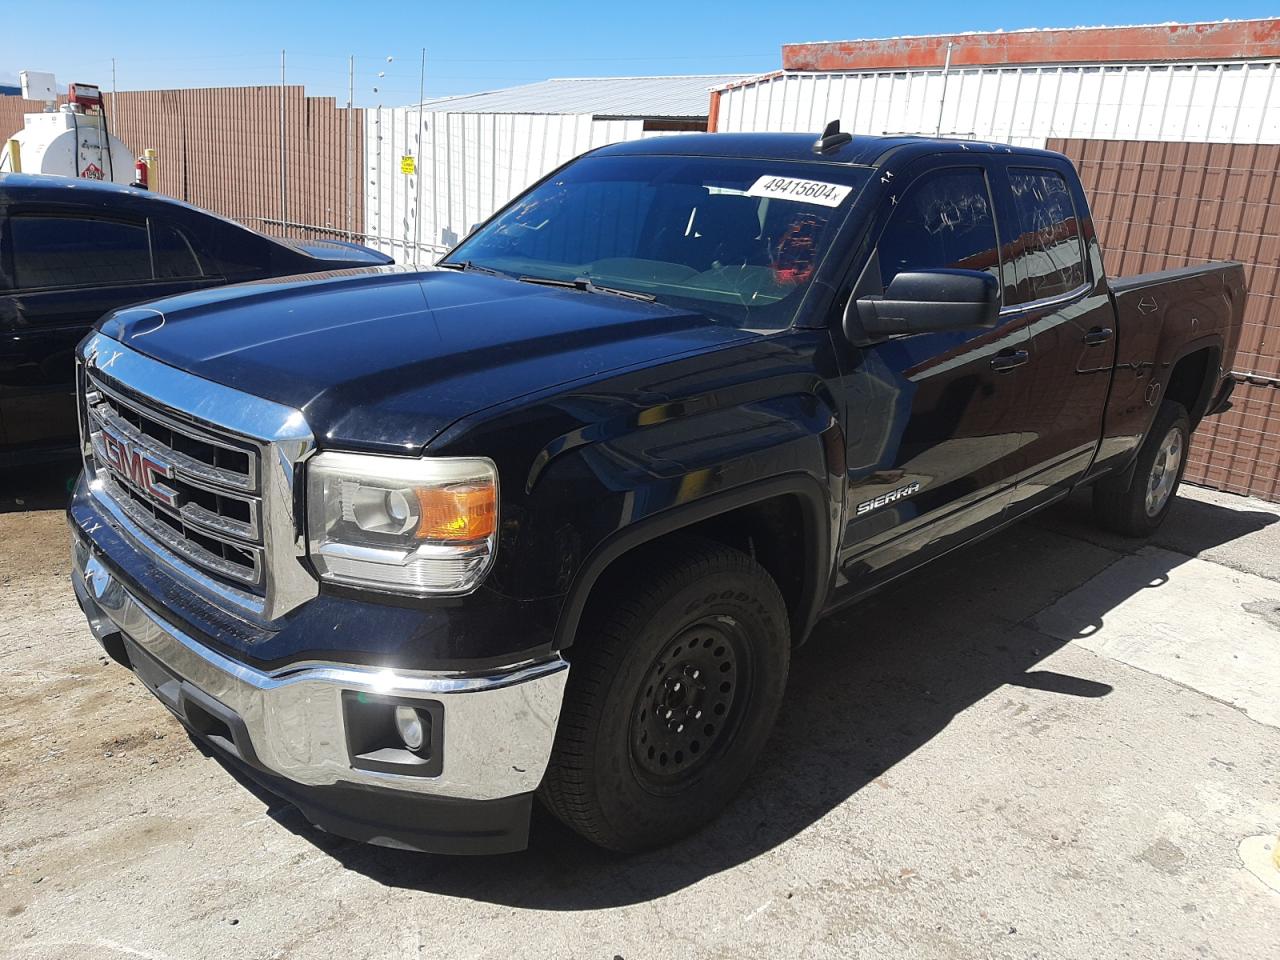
1208,390
816,512
1214,344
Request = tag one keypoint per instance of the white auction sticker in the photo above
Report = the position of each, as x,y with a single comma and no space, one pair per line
802,191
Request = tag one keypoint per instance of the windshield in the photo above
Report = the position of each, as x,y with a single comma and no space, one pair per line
736,239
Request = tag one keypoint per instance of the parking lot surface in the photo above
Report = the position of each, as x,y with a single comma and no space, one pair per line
1050,744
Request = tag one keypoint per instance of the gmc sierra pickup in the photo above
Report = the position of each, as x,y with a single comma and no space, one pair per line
412,547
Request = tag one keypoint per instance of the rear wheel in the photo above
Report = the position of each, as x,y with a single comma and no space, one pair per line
673,689
1137,508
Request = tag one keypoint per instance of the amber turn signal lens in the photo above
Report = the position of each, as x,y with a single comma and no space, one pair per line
455,514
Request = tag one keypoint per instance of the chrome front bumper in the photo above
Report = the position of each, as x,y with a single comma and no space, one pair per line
498,728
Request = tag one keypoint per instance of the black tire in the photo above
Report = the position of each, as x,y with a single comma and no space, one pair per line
1124,504
621,774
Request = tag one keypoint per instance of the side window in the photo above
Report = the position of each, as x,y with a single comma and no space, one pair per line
62,251
174,258
1048,255
943,220
238,253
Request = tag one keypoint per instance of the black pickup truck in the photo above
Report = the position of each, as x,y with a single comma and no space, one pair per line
70,250
412,547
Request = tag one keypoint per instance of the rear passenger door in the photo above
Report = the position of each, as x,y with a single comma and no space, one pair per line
1062,300
934,420
65,269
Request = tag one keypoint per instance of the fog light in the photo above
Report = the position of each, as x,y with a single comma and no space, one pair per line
409,726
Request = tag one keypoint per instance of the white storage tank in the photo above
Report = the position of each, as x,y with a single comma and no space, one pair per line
71,142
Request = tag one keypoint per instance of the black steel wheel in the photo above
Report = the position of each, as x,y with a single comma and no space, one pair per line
690,709
674,685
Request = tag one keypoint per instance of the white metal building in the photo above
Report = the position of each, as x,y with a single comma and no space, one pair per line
1224,102
468,155
1193,82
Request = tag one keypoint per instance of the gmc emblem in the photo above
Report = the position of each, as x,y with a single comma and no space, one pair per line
139,467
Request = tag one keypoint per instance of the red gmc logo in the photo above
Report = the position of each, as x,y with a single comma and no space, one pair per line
139,467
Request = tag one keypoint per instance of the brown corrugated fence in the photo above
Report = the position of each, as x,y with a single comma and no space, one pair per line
1160,205
220,148
1156,205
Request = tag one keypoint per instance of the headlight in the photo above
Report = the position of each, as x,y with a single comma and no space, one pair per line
416,526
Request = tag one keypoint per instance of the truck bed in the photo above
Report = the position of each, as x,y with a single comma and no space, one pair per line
1161,317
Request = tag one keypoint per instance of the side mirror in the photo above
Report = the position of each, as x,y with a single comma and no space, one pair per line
931,300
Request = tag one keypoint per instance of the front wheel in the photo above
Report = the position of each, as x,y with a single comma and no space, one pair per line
1137,509
673,689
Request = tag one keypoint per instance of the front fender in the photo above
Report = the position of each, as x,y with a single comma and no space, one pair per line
590,473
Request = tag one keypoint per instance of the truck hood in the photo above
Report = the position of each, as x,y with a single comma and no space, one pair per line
386,358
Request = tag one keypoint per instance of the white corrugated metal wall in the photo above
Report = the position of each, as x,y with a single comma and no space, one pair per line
466,166
1228,102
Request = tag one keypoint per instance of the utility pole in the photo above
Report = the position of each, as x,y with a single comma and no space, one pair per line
113,86
284,183
351,146
417,167
942,101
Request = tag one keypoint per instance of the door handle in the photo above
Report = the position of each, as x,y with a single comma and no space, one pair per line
1098,335
1010,360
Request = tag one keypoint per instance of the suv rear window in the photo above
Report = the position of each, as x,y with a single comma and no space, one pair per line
1048,255
175,260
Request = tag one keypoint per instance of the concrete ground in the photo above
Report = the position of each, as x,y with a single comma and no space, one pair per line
1052,744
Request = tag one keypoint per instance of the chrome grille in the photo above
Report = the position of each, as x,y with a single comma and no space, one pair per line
194,490
198,475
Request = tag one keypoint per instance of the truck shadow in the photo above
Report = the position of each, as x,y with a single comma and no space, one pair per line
874,684
45,486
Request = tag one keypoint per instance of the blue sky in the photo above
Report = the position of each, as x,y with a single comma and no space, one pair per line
484,45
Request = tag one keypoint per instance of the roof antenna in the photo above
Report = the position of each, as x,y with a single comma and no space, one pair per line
831,138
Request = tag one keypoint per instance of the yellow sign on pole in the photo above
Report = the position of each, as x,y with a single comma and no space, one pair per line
407,165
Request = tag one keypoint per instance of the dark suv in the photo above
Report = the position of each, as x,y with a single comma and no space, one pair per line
71,250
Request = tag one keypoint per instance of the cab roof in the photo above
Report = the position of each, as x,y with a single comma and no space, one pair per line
859,151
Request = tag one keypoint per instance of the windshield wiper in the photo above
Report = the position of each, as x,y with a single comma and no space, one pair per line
586,286
474,268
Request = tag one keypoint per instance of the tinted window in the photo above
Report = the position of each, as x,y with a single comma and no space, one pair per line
74,251
944,219
174,257
1048,256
